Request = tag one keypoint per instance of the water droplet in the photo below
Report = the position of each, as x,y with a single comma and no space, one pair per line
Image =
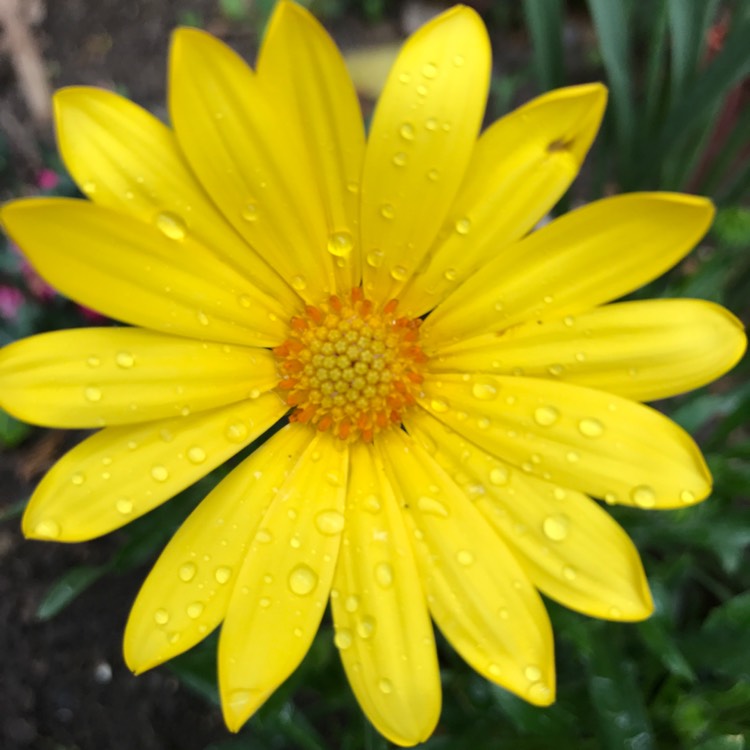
433,175
399,273
375,258
171,225
499,476
351,604
404,78
572,457
463,226
187,572
238,699
546,416
264,602
249,212
371,504
366,627
438,405
429,70
352,187
385,686
245,301
494,670
124,505
400,159
464,557
124,360
342,639
384,574
483,423
196,455
555,370
89,187
556,527
132,445
458,61
431,124
406,131
532,673
610,498
78,478
615,612
643,496
195,610
264,536
161,617
569,573
47,529
539,693
303,580
202,318
222,574
93,361
432,506
450,274
92,394
687,497
484,391
298,283
236,432
591,427
329,522
387,211
340,244
160,473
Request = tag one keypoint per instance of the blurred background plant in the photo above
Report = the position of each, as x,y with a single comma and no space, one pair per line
679,119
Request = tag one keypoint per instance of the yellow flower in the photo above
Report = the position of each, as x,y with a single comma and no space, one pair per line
455,389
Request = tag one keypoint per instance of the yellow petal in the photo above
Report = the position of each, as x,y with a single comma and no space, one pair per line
383,629
641,350
478,594
304,74
123,157
282,588
591,441
135,273
520,167
249,159
570,548
95,376
186,594
420,143
589,256
121,473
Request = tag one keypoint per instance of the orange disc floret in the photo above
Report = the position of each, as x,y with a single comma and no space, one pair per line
348,368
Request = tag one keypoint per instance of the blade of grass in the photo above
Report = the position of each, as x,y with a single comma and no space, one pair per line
725,160
654,76
544,19
686,19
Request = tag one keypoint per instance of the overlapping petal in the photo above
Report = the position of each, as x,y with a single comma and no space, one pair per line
478,593
120,473
576,437
313,90
589,256
383,629
95,376
281,590
520,167
187,593
571,549
420,143
250,160
641,350
123,157
135,273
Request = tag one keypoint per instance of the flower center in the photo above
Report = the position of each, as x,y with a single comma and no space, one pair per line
350,369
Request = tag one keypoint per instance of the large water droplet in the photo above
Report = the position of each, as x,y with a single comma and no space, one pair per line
222,574
406,131
302,580
556,527
546,416
196,455
591,427
385,686
161,617
687,497
298,283
187,572
329,522
366,628
124,360
124,505
432,506
92,394
263,536
351,604
340,244
171,225
400,159
195,610
387,211
399,273
375,258
463,226
643,496
429,70
532,673
160,473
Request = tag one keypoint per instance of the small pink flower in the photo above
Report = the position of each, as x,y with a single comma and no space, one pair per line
11,300
47,179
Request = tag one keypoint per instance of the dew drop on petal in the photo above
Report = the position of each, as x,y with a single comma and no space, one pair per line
463,226
546,416
78,478
161,617
399,273
93,362
298,283
591,427
340,244
92,394
450,274
187,572
384,575
387,211
125,360
499,476
432,506
351,604
569,573
264,536
532,673
465,558
222,574
484,391
375,258
202,318
385,686
264,602
433,175
236,432
406,131
195,610
249,212
88,187
159,473
124,506
329,522
302,580
342,639
196,455
245,301
366,627
171,225
643,496
371,504
429,70
572,457
555,527
439,405
400,158
47,529
539,692
687,497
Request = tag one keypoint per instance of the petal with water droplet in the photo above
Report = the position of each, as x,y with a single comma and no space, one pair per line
377,563
232,512
637,446
466,601
591,569
260,647
454,97
141,375
74,489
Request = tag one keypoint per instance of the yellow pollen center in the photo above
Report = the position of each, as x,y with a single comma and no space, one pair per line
350,369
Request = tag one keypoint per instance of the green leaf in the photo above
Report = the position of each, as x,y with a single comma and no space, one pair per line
67,588
12,431
544,19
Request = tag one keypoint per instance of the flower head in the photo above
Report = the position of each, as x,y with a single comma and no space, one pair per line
456,389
